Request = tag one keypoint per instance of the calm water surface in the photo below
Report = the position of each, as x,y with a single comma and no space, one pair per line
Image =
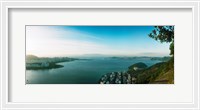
82,71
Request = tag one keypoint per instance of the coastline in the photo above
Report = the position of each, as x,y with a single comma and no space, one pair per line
40,63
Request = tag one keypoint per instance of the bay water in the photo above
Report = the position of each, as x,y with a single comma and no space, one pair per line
83,71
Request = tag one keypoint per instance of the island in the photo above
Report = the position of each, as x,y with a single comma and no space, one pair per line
138,66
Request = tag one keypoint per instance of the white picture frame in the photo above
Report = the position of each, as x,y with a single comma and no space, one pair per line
6,5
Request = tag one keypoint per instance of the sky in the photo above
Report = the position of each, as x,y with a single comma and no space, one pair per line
54,41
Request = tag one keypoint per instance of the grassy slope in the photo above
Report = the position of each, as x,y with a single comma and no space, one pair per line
160,73
166,76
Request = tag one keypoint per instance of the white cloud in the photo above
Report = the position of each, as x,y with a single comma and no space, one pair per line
46,41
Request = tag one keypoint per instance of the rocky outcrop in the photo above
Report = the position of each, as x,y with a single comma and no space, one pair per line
117,78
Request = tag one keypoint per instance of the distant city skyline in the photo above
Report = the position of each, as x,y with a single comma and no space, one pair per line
52,41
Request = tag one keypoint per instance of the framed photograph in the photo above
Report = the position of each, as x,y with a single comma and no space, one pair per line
99,55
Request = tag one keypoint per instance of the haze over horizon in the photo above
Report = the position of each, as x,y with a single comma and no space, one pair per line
52,41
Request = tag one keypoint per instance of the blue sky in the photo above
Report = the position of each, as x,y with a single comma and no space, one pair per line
81,40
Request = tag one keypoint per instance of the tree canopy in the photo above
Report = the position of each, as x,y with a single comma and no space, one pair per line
164,34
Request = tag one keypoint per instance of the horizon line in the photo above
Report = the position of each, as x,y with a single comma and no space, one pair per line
101,55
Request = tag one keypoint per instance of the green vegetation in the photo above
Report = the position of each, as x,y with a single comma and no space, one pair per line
164,34
160,73
139,73
138,65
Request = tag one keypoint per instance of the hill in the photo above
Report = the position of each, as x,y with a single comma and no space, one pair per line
138,65
31,57
160,73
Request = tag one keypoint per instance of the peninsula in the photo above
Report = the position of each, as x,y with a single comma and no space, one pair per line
35,63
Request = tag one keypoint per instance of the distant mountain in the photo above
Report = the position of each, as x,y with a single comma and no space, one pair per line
31,57
164,59
130,58
152,54
93,56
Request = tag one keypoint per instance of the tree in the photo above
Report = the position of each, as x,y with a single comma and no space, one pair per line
164,34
